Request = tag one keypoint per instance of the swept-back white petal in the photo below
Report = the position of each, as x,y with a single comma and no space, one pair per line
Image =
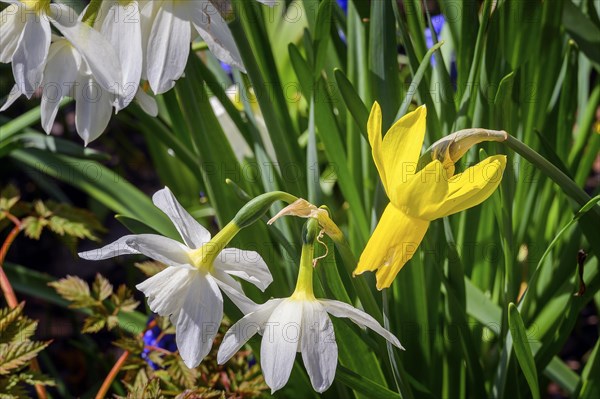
247,265
168,48
162,249
319,349
30,55
14,94
93,47
193,233
93,108
124,33
244,329
199,319
12,23
146,102
280,343
234,291
341,309
167,289
117,248
148,11
215,32
59,77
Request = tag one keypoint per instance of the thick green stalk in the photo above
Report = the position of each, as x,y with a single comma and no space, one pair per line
568,186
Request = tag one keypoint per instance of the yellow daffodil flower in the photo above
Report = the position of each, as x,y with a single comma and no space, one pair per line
417,197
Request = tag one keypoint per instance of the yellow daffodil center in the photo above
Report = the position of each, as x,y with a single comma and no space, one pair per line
204,257
39,6
304,285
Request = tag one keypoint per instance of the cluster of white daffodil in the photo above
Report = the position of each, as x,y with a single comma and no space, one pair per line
105,52
189,290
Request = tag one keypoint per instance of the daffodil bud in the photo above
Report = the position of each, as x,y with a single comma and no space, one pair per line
258,206
452,147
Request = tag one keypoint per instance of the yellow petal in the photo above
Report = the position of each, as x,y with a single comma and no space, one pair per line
420,195
394,241
402,145
472,187
397,154
374,130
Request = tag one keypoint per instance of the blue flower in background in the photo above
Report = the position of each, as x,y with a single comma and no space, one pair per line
151,338
438,22
227,69
343,5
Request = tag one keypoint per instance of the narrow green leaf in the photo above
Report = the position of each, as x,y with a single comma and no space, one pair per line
523,350
585,33
364,385
355,105
590,379
99,182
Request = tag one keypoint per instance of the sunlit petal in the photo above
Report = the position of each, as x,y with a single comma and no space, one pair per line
244,329
216,33
280,343
93,108
419,195
168,48
199,319
472,187
60,76
12,24
116,248
341,309
166,290
29,58
125,35
193,233
14,94
319,349
99,54
247,265
392,244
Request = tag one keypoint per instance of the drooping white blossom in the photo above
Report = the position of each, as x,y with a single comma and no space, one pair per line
120,22
83,65
297,324
25,35
169,34
189,290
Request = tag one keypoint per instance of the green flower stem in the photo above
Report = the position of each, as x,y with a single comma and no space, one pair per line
569,186
92,12
304,284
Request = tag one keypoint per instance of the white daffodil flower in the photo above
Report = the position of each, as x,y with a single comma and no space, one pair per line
189,289
25,39
170,35
82,65
119,21
25,34
299,323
